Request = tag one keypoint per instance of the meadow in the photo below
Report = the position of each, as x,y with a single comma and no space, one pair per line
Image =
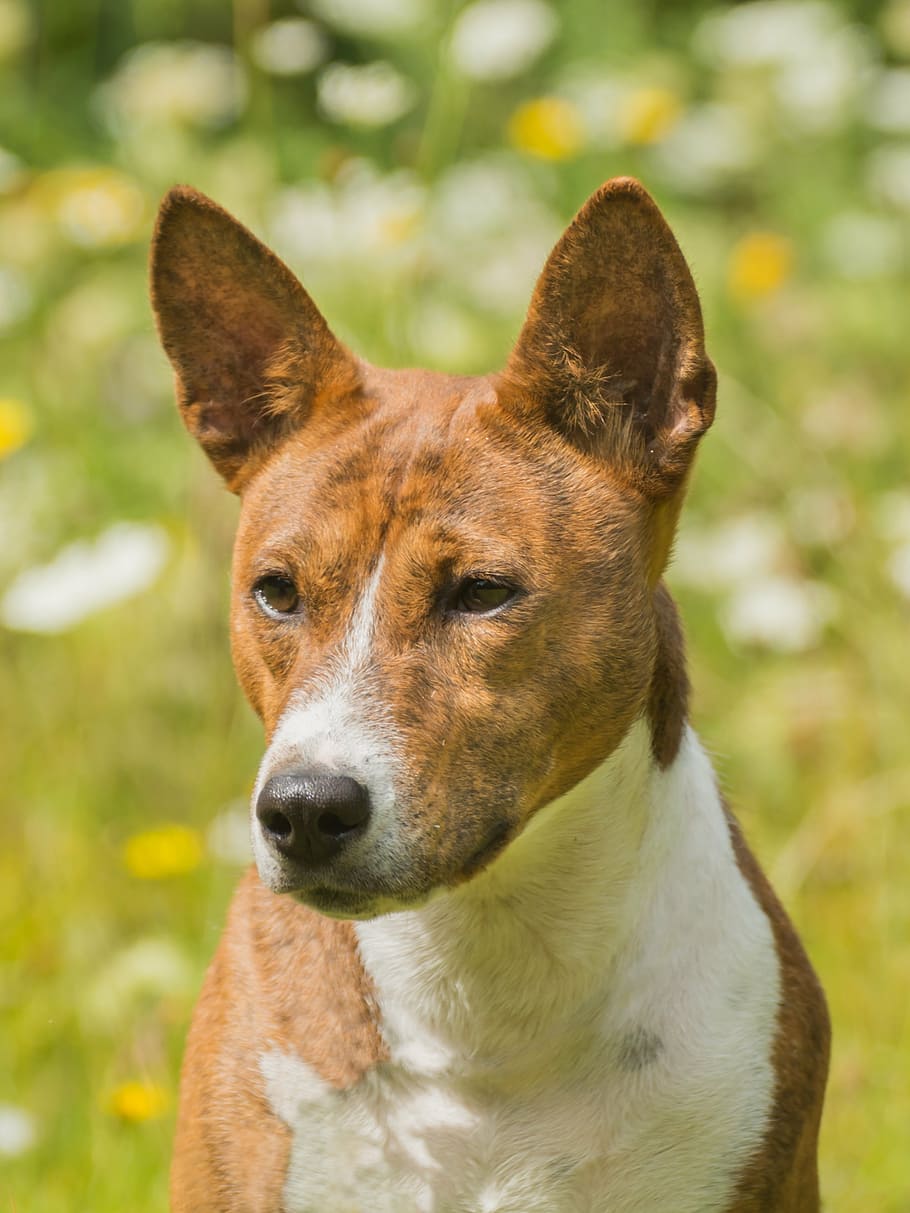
413,162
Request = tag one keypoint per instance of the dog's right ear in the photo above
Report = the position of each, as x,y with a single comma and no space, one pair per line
251,352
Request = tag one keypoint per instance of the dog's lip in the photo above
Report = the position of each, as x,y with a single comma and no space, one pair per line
492,845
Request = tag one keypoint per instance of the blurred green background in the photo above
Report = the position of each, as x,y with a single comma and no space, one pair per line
414,161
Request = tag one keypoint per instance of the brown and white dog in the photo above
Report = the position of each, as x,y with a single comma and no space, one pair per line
506,950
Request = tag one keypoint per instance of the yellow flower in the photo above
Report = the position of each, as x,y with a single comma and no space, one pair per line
137,1101
759,263
647,114
548,127
15,425
170,850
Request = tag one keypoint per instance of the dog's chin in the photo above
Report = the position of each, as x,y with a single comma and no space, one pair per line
344,903
348,906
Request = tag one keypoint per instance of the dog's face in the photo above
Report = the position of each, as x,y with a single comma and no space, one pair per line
445,589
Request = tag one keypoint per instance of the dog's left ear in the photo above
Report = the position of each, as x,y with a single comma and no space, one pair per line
613,347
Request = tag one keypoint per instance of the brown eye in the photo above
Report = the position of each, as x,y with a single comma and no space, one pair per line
276,595
477,595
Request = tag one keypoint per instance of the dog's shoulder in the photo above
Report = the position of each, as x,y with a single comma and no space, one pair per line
783,1175
285,993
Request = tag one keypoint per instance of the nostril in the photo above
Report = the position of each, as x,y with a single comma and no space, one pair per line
332,825
277,825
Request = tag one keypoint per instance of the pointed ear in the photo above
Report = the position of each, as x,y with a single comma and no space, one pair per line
250,349
613,346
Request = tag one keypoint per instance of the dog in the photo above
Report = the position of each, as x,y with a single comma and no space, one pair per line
504,949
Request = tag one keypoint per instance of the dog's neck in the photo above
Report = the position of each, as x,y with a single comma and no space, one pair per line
561,929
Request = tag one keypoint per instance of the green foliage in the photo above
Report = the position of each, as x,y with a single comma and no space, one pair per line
417,202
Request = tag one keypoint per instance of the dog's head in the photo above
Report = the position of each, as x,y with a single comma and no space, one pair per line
447,605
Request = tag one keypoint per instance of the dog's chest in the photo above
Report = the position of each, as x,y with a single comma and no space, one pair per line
620,1141
397,1143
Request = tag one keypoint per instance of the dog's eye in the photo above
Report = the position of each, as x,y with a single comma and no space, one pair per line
478,595
276,595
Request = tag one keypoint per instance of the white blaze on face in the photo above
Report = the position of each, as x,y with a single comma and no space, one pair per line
334,729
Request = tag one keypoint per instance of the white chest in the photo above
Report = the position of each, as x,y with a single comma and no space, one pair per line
639,1139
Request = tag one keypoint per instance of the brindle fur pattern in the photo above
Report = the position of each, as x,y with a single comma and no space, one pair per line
565,472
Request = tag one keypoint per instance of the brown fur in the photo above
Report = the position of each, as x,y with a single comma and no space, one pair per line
564,474
783,1175
283,978
250,363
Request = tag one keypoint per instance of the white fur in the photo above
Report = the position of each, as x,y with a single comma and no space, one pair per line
334,729
586,1027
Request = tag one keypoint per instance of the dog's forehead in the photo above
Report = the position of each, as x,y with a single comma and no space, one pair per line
440,459
417,442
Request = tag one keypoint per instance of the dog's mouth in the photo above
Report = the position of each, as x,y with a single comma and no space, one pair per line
359,894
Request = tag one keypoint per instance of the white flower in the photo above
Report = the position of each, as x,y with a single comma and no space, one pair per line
888,174
600,99
362,217
17,1131
228,836
491,232
766,32
736,551
888,105
780,613
498,39
150,967
372,18
858,245
500,275
710,144
817,87
84,578
818,62
482,197
196,84
305,223
289,47
373,94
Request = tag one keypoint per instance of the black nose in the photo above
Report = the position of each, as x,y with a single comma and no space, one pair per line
309,817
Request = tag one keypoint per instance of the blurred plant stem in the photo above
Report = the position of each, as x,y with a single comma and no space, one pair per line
447,107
